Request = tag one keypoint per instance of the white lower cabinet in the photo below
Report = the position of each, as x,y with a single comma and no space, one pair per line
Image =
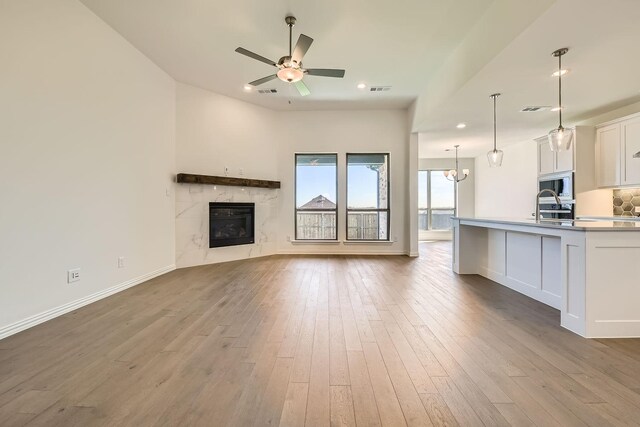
551,285
528,263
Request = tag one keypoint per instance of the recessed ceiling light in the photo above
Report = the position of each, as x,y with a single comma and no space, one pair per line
554,109
361,86
461,125
560,73
247,88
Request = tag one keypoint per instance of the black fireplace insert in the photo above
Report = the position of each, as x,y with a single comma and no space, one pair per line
231,224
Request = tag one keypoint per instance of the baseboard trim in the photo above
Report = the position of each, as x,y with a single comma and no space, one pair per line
31,321
329,252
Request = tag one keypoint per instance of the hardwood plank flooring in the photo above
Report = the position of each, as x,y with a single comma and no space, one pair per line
317,340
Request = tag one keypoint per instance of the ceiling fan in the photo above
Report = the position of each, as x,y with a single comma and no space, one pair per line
290,67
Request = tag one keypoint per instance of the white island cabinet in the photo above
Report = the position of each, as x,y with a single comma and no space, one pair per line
586,269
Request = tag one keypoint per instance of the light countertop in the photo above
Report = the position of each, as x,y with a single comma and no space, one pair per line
577,225
609,218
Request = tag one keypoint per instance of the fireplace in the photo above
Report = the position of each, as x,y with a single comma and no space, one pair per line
231,224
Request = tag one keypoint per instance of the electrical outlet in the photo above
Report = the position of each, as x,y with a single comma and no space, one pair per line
241,171
121,262
288,238
226,171
73,275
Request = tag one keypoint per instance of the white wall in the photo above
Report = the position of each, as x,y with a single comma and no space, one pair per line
87,128
214,132
345,132
510,190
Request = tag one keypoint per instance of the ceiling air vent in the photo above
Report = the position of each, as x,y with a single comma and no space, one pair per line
379,88
267,91
534,109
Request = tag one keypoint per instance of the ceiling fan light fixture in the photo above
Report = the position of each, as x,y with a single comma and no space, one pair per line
290,74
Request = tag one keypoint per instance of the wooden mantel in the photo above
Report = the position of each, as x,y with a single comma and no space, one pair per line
189,178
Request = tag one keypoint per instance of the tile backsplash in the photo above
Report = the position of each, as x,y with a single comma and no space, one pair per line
624,200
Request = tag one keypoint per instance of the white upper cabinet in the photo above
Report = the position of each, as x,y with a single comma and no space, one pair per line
630,146
616,144
546,158
564,159
550,162
608,155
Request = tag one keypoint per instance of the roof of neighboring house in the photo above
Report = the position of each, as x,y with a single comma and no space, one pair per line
318,202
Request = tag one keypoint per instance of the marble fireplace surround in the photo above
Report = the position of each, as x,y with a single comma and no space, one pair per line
192,223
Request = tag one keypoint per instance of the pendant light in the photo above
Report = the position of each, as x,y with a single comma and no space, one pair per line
495,156
560,138
453,175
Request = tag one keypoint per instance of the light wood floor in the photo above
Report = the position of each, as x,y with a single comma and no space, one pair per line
301,340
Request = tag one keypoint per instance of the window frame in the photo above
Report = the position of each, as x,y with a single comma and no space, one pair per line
387,210
429,209
295,196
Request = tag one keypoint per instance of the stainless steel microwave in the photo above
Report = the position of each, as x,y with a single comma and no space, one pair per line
561,184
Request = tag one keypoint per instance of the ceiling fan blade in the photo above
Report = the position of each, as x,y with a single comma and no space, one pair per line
302,46
263,80
325,72
255,56
302,88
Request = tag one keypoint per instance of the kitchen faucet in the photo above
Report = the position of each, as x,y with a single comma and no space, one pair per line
546,190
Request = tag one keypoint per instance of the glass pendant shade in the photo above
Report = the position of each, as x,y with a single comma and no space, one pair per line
560,139
495,158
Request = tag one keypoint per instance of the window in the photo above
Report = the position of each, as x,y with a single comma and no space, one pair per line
368,197
316,190
436,201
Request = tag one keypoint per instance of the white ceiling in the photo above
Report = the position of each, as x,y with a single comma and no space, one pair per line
442,58
604,64
378,42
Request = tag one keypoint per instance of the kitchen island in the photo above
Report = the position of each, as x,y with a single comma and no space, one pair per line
589,270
